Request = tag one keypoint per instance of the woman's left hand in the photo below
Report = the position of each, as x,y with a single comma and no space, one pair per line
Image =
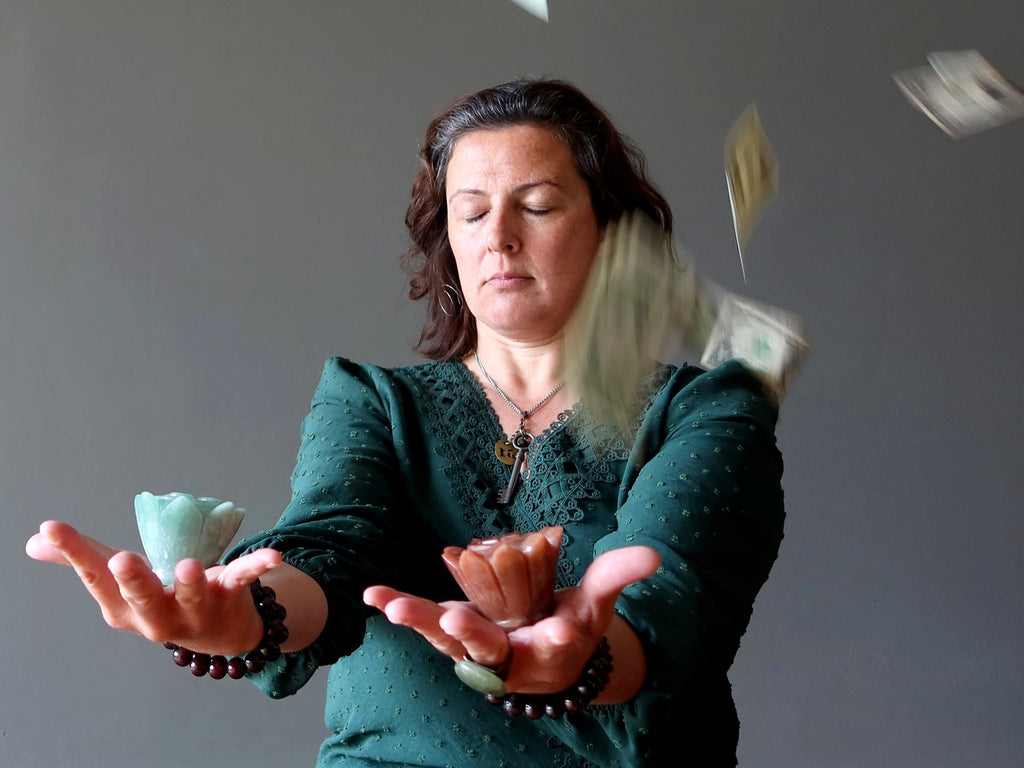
549,655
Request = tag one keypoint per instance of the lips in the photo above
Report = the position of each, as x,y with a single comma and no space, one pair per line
501,279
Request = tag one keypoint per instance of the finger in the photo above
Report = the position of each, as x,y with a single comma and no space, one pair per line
243,571
554,637
613,571
551,658
191,586
481,639
54,534
378,597
417,613
60,542
143,594
38,548
193,582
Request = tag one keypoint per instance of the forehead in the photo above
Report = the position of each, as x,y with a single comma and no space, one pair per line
517,153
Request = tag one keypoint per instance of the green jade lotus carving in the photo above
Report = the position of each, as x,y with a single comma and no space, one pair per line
177,526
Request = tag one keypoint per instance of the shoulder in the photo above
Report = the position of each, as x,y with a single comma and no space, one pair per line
695,408
342,372
364,383
731,389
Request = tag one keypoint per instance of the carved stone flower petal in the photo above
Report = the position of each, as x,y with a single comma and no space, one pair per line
510,579
177,526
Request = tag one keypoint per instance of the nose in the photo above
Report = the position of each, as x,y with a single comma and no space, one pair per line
503,233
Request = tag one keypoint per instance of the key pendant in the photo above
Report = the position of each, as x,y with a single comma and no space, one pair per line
521,442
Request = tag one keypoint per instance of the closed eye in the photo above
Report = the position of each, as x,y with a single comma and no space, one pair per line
531,210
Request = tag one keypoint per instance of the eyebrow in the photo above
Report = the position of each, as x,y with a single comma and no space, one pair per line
524,187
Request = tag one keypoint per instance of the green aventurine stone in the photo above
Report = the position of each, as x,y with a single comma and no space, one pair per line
480,678
176,526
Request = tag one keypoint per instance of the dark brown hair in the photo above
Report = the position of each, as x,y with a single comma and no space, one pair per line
608,161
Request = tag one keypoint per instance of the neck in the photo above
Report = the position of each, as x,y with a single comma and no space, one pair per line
525,376
524,373
523,412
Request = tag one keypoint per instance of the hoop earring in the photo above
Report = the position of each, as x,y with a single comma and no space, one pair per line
451,293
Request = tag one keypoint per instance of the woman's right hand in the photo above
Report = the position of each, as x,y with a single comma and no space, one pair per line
207,610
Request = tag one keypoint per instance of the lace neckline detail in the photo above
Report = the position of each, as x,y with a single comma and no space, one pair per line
485,405
577,462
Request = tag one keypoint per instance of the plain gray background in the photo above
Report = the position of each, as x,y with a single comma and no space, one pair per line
202,200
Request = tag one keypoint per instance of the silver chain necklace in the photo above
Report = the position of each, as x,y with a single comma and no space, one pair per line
512,450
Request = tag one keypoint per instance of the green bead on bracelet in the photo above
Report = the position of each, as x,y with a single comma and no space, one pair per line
480,678
491,682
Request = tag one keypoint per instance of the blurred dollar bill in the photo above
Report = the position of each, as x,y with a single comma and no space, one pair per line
538,8
643,295
751,173
770,341
961,92
638,293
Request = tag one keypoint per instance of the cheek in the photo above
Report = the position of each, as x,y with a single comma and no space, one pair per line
458,251
466,273
462,244
581,248
576,279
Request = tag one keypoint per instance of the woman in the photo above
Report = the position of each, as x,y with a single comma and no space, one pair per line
668,536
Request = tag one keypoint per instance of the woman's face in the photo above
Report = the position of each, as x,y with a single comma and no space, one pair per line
523,230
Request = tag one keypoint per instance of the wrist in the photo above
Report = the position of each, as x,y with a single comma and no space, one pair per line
271,616
631,663
591,681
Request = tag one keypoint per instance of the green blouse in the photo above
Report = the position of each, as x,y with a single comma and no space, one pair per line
397,463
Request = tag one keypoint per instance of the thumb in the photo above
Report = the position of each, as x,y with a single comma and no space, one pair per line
613,571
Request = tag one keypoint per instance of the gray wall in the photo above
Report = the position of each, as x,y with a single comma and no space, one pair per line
199,201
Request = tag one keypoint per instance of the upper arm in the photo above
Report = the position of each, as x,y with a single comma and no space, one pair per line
708,497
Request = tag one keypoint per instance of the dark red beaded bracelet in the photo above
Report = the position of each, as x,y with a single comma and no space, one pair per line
274,633
591,682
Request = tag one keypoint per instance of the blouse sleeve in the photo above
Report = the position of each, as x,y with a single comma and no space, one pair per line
703,488
343,520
